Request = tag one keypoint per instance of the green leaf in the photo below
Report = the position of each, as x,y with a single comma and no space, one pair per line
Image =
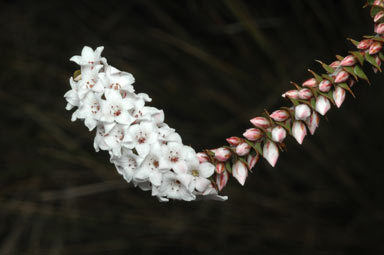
353,41
228,167
340,58
244,161
329,78
313,103
294,101
76,73
326,67
358,56
372,61
258,148
375,10
349,70
317,77
360,73
346,87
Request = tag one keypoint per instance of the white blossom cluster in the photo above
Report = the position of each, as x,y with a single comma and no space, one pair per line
144,149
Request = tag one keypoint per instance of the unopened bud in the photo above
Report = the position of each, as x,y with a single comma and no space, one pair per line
322,105
305,94
365,44
243,149
313,122
271,152
299,131
221,180
378,3
234,141
339,96
202,157
302,112
378,16
342,76
253,134
348,61
335,64
375,48
379,29
260,122
278,134
325,86
222,154
240,172
252,160
220,167
280,115
294,94
311,83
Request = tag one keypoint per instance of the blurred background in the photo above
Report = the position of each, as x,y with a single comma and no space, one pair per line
211,65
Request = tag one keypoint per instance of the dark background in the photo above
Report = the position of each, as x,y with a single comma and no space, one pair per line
211,65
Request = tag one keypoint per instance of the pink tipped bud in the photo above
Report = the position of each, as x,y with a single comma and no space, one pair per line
311,83
222,154
221,180
260,122
375,48
278,134
271,152
305,94
313,122
302,112
348,61
220,167
253,134
299,131
335,64
252,160
378,16
243,149
325,86
280,115
378,60
322,105
240,172
294,94
234,141
339,96
365,44
202,157
351,82
379,29
378,3
342,76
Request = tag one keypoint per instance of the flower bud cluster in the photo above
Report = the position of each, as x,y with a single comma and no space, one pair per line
144,149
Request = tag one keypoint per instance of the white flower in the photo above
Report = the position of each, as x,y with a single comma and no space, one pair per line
114,79
176,154
89,57
116,138
126,164
197,175
90,82
115,109
172,187
89,110
142,135
167,134
72,95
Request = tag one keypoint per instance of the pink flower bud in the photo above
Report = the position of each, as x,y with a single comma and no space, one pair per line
325,86
260,122
378,60
220,167
271,152
365,44
253,134
221,180
313,122
299,131
351,82
379,29
202,157
379,3
252,160
222,154
342,76
322,105
294,94
302,112
339,96
280,115
234,141
278,134
378,16
240,172
335,64
348,61
305,94
243,149
375,48
311,83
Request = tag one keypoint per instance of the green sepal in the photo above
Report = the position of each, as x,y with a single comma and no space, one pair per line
329,78
255,146
294,101
346,87
76,73
317,77
340,58
245,162
359,56
286,125
328,95
372,61
374,38
349,70
313,103
326,67
360,73
375,10
228,167
356,43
